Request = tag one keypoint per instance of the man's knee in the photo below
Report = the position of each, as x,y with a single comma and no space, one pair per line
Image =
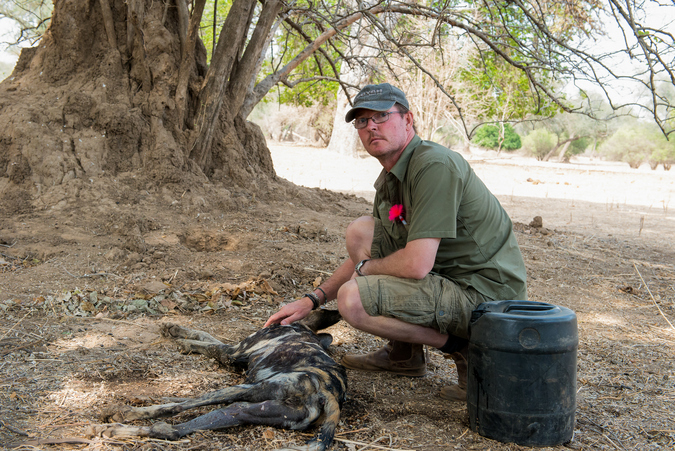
349,303
361,230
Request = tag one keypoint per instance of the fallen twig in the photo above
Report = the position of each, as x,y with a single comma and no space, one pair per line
55,441
369,445
19,348
319,271
652,296
175,274
15,324
118,321
13,429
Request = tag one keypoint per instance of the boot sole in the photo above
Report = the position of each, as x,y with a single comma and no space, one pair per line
409,373
453,393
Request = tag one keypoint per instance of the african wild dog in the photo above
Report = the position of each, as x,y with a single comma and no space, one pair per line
291,382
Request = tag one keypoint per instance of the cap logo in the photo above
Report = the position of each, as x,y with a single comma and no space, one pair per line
369,93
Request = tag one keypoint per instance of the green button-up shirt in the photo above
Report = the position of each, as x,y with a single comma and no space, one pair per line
443,198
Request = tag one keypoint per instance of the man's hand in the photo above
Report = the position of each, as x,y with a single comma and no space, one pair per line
291,313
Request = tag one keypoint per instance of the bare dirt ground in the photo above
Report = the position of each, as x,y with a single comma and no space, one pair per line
85,285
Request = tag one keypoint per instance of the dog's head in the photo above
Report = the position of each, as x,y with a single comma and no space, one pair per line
321,319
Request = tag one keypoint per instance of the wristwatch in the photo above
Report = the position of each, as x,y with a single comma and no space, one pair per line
359,265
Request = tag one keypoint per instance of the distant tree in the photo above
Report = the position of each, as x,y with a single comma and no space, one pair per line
497,137
574,133
664,153
539,143
633,144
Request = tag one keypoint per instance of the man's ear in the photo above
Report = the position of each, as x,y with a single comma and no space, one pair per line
410,120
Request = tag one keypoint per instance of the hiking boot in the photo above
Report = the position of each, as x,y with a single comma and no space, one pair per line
397,357
457,392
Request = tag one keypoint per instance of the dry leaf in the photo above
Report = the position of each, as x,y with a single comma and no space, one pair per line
268,434
267,288
317,282
168,304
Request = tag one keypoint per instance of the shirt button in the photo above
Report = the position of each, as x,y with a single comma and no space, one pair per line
441,313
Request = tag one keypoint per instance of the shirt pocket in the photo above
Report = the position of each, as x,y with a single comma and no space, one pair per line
395,229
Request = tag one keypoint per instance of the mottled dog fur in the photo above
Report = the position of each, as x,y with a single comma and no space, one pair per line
291,382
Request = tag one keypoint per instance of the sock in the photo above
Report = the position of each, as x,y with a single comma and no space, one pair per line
453,344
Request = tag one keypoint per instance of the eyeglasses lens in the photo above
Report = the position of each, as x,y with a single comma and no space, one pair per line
378,118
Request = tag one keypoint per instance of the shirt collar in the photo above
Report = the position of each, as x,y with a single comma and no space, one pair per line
401,165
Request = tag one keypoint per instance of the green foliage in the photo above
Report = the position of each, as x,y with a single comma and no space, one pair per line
539,143
491,137
513,94
579,145
664,153
504,90
633,144
310,94
214,10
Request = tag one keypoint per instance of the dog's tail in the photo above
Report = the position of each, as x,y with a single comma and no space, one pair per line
323,439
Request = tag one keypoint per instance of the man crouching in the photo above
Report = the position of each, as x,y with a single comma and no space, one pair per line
438,244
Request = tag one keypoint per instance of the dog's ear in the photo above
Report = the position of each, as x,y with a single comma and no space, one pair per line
320,319
325,340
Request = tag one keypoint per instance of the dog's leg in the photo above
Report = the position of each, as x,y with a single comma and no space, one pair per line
271,413
171,330
198,342
257,392
222,396
218,351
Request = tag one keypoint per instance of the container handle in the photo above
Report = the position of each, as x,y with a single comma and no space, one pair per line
541,307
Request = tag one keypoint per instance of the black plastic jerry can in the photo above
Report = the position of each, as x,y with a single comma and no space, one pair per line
522,365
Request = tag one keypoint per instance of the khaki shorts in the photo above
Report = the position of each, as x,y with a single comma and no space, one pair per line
434,301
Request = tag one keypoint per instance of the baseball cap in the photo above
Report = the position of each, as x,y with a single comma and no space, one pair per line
377,98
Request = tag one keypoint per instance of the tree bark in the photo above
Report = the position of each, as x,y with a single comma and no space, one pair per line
245,70
183,24
561,154
210,98
109,23
188,61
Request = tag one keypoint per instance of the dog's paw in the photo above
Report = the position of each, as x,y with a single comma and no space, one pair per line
170,330
95,430
184,346
106,430
115,414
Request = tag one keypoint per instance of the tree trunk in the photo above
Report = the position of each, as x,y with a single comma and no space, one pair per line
187,60
344,138
563,150
552,151
111,90
211,96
